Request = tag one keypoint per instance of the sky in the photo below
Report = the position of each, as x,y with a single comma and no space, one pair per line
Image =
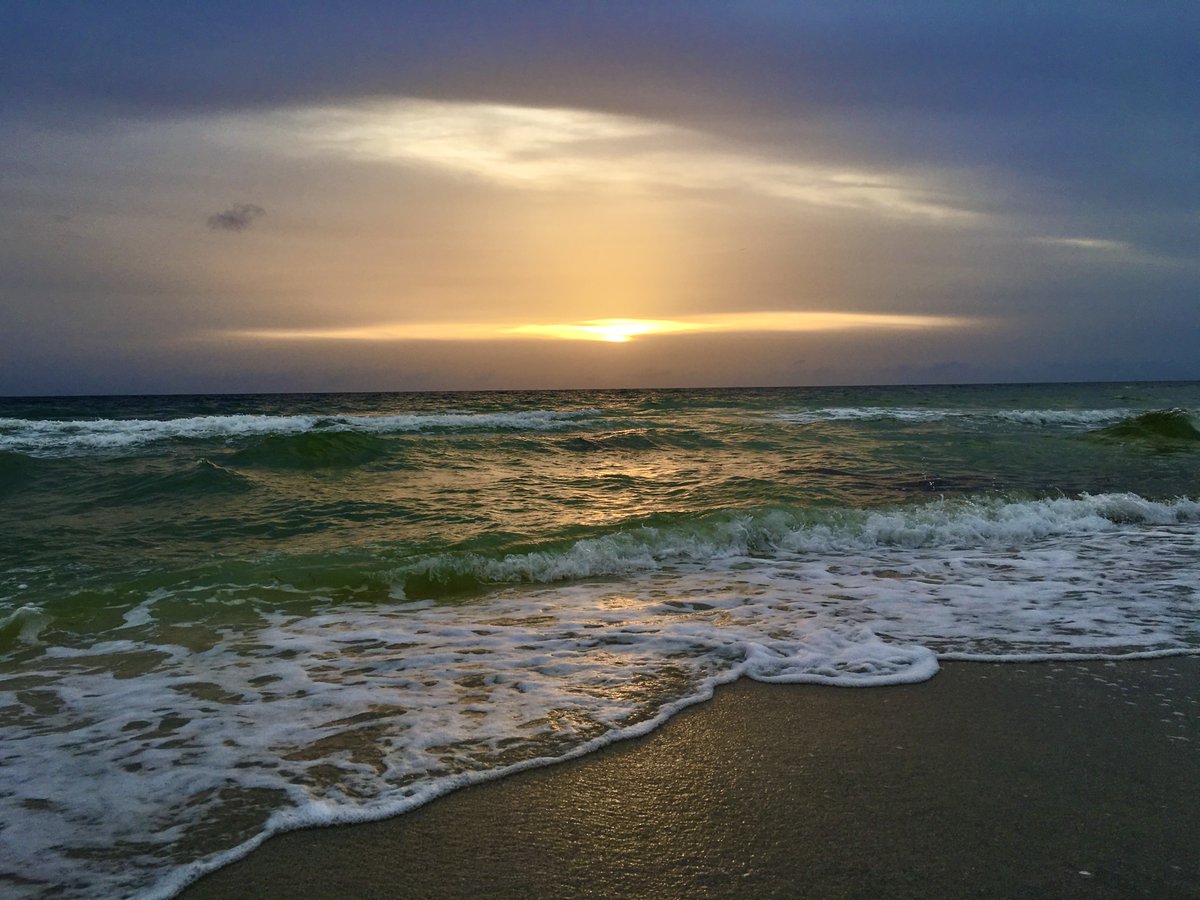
301,196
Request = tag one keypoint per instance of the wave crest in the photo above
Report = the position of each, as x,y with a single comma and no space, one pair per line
919,415
312,450
67,437
1165,426
23,624
773,531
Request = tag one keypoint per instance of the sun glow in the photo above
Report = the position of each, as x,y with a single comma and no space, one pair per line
619,331
614,331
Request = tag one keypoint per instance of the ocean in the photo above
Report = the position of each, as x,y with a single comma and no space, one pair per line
223,617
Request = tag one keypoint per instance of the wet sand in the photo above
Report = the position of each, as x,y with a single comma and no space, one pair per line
1044,780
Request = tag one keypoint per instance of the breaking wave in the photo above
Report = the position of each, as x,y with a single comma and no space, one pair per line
207,706
915,415
69,437
663,542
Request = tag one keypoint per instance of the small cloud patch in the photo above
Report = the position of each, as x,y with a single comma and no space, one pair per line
236,218
1079,243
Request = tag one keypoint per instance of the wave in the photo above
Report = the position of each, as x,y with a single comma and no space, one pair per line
1077,417
659,439
313,450
64,437
14,469
621,440
866,413
23,625
201,479
771,532
1167,426
209,712
1035,417
11,461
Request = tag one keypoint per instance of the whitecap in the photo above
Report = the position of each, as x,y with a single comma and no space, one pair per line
67,437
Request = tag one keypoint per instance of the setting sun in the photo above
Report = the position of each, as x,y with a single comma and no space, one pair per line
614,331
396,396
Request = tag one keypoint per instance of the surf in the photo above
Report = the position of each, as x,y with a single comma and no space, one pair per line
1162,428
766,532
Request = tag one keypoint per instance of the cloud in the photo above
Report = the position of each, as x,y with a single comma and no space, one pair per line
236,218
558,165
1080,243
618,330
552,148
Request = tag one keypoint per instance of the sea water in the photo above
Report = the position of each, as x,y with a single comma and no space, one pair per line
225,617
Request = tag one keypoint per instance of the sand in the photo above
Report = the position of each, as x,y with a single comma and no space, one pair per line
1051,780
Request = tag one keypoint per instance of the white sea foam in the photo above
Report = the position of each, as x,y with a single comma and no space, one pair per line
1080,417
26,622
991,521
54,437
1033,417
862,413
363,711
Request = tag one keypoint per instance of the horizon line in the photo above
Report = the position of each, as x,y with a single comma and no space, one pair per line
563,390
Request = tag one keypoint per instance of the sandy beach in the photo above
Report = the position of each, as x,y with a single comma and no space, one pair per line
412,412
1050,779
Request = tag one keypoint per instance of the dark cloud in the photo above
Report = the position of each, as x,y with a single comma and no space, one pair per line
236,218
1094,100
954,56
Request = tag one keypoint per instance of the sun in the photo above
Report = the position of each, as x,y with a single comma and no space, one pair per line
613,331
619,331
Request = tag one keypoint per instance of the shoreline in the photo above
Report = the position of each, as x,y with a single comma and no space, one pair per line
1058,778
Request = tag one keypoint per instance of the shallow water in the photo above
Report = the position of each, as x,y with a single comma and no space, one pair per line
226,616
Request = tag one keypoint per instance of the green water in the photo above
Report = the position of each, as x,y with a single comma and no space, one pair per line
332,591
88,511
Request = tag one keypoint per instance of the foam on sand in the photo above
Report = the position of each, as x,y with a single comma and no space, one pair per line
199,733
